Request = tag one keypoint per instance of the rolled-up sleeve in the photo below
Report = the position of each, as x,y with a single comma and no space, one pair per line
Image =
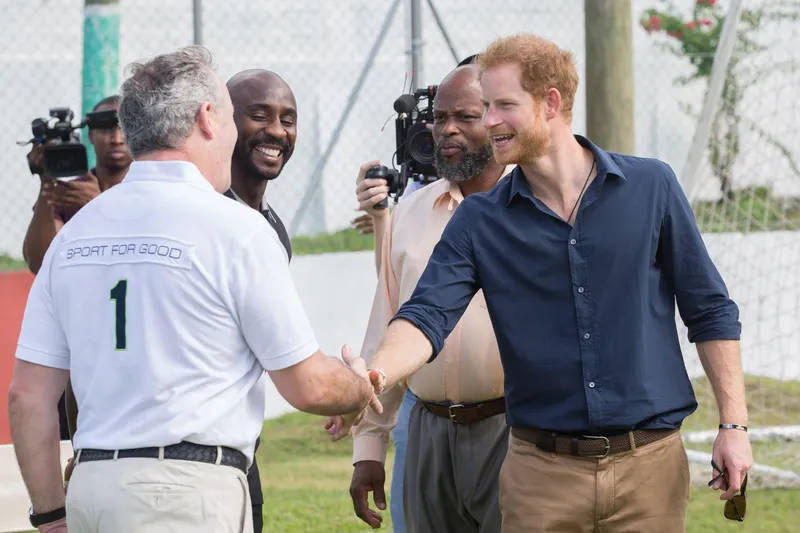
448,283
702,297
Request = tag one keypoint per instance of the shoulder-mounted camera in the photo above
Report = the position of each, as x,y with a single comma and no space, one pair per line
415,150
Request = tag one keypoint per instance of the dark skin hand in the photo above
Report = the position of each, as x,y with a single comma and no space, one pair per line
62,194
368,476
363,224
74,194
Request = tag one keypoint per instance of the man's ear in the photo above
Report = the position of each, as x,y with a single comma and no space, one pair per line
91,136
552,103
207,120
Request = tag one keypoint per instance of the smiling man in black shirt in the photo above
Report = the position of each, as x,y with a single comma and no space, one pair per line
265,112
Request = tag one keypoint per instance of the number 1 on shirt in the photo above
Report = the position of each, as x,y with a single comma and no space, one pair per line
118,294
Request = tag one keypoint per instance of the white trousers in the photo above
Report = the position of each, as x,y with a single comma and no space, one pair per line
157,496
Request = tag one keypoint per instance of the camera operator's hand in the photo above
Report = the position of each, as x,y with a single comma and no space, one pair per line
371,191
75,194
363,224
36,159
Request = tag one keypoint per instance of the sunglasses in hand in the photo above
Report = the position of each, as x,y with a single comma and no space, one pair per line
736,507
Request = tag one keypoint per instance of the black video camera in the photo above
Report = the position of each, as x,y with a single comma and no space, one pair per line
415,149
64,156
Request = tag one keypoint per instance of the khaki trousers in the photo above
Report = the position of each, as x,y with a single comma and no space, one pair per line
641,491
152,496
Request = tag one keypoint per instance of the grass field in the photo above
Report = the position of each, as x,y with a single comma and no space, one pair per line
306,479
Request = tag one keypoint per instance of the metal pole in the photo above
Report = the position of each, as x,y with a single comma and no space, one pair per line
416,45
316,177
716,82
442,29
197,12
101,20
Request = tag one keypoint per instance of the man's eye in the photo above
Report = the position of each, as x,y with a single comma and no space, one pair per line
258,117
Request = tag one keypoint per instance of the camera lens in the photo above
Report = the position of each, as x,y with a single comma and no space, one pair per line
421,146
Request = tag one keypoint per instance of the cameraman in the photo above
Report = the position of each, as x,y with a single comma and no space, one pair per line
445,447
59,200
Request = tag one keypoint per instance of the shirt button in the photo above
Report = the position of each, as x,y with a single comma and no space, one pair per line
586,335
580,290
572,241
591,384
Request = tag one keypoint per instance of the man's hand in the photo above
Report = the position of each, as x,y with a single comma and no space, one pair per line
338,427
371,191
732,453
59,526
68,471
36,158
368,476
75,194
364,224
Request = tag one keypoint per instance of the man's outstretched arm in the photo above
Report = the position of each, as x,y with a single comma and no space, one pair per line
323,385
403,351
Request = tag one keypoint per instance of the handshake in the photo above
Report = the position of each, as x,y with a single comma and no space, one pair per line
339,426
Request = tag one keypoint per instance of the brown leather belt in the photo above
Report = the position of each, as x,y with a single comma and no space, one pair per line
467,413
595,446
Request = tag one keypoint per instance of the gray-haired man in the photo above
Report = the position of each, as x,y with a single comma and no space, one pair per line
147,301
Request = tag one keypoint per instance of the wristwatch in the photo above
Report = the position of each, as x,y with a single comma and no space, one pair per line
40,519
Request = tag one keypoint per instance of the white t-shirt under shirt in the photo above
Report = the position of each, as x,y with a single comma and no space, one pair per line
166,301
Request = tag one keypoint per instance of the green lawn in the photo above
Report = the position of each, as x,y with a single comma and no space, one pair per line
306,480
8,264
753,209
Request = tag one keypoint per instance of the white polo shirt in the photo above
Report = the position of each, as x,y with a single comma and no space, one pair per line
166,301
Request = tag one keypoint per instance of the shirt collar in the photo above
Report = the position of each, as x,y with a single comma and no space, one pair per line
605,166
454,194
168,172
239,199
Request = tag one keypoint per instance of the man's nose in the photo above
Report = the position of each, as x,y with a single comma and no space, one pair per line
275,129
449,129
491,118
117,137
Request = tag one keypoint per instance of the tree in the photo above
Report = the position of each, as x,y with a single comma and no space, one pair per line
696,38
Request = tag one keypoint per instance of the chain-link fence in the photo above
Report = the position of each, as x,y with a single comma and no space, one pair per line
346,60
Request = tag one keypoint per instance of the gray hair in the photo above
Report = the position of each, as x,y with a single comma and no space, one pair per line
161,98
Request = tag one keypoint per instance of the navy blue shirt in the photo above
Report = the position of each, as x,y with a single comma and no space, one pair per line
585,315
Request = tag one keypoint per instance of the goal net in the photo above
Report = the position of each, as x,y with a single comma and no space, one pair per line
743,180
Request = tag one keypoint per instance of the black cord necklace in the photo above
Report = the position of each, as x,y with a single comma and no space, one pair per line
585,183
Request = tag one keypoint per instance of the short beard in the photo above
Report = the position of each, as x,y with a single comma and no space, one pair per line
252,170
468,166
533,143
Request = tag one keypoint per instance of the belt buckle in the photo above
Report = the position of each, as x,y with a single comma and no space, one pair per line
450,411
605,451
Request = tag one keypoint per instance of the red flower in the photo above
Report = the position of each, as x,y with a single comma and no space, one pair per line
691,25
655,22
706,22
676,34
